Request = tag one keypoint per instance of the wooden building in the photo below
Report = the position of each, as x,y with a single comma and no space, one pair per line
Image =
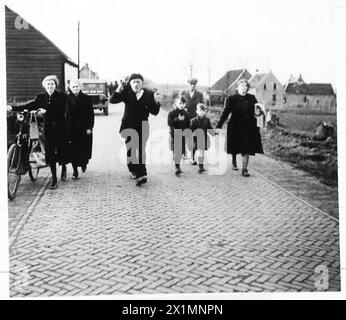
30,56
313,96
267,89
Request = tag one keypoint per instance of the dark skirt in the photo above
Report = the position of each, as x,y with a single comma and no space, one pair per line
243,138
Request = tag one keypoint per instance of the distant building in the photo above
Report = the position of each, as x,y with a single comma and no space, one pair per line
226,85
316,96
30,56
86,73
267,89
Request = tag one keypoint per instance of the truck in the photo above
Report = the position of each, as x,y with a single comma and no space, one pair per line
98,91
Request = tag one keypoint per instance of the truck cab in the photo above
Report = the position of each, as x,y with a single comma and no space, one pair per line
97,90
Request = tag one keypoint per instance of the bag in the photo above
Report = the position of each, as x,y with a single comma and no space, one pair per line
37,156
33,127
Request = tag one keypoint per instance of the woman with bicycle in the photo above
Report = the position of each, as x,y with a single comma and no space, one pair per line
56,109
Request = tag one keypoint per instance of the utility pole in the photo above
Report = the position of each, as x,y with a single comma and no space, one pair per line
78,50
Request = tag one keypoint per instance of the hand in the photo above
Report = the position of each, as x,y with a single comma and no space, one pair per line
9,108
181,117
121,85
41,111
89,131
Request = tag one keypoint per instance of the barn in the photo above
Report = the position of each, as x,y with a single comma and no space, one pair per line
30,56
226,85
312,96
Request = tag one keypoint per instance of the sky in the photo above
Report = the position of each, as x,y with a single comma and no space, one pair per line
162,39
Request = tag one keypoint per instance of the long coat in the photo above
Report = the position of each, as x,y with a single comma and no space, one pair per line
243,135
203,124
82,118
193,101
175,123
57,124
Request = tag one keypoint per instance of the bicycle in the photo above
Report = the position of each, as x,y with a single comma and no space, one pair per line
18,163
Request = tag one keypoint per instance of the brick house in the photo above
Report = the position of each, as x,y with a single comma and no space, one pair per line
267,89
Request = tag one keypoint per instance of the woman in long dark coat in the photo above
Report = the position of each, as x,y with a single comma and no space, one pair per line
81,127
56,109
243,135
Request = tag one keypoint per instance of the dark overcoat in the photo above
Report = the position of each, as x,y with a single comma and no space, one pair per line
82,118
57,124
203,141
174,123
243,135
136,111
192,101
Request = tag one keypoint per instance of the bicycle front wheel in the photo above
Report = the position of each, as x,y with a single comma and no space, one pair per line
13,170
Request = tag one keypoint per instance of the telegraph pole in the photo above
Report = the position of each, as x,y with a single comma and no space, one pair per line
78,50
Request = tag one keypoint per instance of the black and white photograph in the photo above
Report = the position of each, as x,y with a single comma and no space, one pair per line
172,148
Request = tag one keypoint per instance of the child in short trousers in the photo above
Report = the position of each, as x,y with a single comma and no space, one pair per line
201,127
178,120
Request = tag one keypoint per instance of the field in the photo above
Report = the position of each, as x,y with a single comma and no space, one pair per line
294,140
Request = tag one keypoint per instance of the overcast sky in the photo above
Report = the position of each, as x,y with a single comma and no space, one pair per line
160,39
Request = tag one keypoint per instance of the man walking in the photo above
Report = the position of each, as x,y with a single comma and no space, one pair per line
193,97
139,103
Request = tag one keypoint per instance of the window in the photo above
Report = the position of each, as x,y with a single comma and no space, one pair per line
265,86
318,101
274,97
305,99
274,86
285,100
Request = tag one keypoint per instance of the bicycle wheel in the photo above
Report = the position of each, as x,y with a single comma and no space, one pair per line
13,170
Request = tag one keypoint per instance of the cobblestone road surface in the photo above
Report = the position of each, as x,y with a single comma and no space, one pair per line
197,233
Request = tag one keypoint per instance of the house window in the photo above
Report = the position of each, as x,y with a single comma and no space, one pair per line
285,100
265,86
305,99
318,101
274,86
274,97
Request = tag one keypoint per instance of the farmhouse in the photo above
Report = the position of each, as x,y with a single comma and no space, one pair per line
30,56
226,85
315,96
267,89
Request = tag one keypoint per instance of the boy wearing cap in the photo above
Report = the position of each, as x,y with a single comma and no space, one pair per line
139,103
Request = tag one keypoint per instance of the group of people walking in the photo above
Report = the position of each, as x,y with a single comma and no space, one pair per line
68,124
69,121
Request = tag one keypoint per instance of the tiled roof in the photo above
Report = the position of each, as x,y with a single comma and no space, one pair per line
256,79
323,89
226,80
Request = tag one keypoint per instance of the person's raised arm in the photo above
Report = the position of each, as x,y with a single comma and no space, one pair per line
118,95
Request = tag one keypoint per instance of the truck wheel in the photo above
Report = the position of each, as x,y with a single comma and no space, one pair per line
105,111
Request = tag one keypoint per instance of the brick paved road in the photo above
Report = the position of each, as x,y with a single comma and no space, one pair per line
196,233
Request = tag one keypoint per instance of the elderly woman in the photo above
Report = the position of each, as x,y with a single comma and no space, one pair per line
82,123
55,107
243,135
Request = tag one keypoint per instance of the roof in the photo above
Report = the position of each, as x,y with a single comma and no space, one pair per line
322,89
68,60
256,79
224,82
